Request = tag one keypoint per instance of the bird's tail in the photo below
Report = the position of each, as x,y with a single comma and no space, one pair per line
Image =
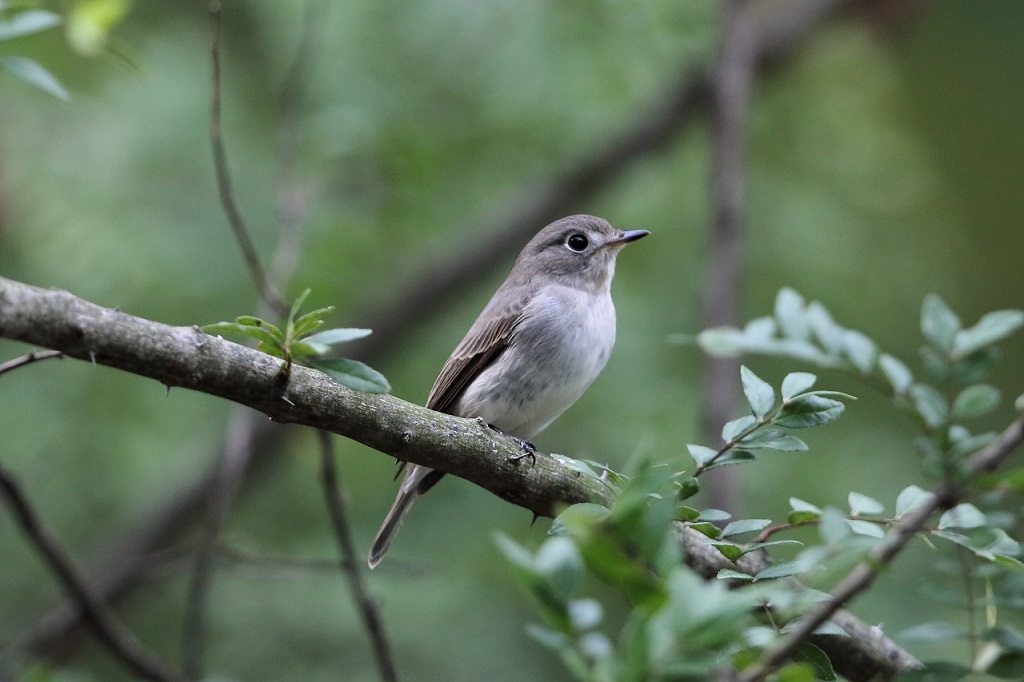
407,494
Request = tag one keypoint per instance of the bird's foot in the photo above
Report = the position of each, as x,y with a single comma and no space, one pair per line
528,448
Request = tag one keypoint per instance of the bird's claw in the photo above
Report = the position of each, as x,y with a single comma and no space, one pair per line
529,450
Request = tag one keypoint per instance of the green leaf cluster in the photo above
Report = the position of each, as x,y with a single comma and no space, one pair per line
299,341
955,359
680,627
795,407
964,524
950,390
670,632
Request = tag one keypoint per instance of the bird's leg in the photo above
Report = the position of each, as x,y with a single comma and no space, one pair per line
528,448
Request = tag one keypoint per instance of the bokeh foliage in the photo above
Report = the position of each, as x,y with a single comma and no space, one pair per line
885,163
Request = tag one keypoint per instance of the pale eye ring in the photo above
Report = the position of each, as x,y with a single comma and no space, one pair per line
577,242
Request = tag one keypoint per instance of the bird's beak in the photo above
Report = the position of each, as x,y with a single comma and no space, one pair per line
628,236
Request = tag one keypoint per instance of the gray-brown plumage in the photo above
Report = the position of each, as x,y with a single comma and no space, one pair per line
539,343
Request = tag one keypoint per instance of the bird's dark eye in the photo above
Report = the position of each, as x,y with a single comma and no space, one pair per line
577,242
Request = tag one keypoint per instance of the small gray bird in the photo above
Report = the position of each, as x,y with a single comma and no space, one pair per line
539,343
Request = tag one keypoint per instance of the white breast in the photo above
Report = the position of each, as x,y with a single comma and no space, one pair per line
557,351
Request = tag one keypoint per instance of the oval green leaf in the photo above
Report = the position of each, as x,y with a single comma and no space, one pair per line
992,327
796,383
331,337
939,323
976,401
759,393
33,73
896,373
353,374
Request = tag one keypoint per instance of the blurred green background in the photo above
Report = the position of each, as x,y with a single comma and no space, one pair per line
886,161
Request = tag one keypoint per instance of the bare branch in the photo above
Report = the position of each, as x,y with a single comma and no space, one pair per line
108,628
225,188
293,195
28,359
350,564
127,556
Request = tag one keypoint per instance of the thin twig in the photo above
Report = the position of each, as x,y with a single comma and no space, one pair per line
29,358
866,655
294,196
965,560
108,628
863,575
731,94
225,188
765,534
237,456
127,555
350,563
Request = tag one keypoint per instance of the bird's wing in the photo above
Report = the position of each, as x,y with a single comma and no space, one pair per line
486,340
489,336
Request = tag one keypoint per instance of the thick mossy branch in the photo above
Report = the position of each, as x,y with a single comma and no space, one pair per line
186,357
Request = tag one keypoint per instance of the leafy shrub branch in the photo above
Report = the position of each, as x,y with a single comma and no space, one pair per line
681,628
